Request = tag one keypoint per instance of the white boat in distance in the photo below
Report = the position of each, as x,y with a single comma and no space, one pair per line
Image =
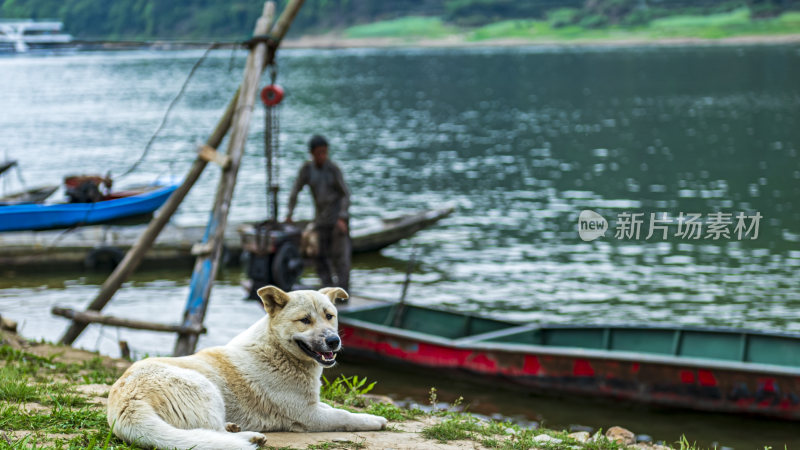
22,34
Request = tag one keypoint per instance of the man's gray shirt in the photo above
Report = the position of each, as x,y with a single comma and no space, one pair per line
331,196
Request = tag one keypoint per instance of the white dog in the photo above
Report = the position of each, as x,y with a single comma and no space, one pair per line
265,379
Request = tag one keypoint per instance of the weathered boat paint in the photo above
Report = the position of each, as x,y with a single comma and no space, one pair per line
663,380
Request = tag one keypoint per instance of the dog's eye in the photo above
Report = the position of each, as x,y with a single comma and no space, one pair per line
329,316
306,320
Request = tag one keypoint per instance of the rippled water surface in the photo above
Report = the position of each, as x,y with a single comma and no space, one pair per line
518,140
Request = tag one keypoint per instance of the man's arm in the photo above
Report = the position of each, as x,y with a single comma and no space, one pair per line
302,180
342,187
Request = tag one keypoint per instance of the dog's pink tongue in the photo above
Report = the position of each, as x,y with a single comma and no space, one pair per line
328,355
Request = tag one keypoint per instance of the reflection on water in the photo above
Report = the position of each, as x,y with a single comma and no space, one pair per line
520,140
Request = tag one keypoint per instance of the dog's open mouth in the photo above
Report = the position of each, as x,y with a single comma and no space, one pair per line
327,359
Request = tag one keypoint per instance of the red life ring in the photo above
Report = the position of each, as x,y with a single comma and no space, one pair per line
272,95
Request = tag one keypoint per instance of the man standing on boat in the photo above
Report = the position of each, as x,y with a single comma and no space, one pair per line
331,201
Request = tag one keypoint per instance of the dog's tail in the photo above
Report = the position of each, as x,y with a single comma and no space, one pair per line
147,429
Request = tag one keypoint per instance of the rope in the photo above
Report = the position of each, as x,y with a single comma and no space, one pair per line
169,109
272,132
267,39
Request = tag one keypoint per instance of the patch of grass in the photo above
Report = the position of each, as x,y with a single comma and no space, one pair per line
405,27
95,371
66,420
508,436
454,428
736,17
393,412
560,26
337,445
60,419
14,386
347,391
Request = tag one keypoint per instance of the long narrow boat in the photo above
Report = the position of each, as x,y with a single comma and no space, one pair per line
381,234
710,369
5,165
33,195
389,231
63,215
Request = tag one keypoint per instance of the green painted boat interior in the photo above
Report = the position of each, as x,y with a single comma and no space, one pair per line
723,344
729,345
429,321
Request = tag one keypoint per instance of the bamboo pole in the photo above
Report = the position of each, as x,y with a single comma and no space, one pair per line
206,266
88,317
136,253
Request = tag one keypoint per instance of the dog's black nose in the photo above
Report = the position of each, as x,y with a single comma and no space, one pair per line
332,341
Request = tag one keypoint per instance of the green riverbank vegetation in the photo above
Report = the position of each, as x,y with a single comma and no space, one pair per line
468,20
55,397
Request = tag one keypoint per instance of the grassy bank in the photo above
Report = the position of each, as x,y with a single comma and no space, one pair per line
730,24
55,397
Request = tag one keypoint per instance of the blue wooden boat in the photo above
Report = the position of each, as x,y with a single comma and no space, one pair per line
64,215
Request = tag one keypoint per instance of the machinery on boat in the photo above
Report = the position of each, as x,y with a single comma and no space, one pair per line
272,248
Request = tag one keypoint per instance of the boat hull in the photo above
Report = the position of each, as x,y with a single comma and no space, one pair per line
636,378
42,217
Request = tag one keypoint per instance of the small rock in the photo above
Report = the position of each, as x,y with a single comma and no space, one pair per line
8,325
649,446
573,428
580,436
542,438
340,440
644,438
621,436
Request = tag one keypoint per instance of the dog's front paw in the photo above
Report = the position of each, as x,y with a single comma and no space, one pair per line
375,422
254,437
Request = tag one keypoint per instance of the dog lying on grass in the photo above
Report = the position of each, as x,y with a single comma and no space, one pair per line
266,379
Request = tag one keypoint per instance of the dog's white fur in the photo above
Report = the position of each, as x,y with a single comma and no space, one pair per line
263,380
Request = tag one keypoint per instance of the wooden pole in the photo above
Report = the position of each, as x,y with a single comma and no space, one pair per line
205,269
88,317
136,253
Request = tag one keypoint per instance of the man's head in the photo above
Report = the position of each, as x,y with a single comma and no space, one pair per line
318,146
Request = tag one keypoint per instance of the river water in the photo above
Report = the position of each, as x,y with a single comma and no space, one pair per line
518,140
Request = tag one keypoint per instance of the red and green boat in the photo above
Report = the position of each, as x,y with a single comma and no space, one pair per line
710,369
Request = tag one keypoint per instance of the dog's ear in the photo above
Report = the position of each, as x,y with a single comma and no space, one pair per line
273,298
333,293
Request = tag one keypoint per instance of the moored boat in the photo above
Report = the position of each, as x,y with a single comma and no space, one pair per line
118,205
5,165
376,236
21,35
392,230
33,195
710,369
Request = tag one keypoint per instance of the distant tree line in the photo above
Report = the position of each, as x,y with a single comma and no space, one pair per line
232,19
